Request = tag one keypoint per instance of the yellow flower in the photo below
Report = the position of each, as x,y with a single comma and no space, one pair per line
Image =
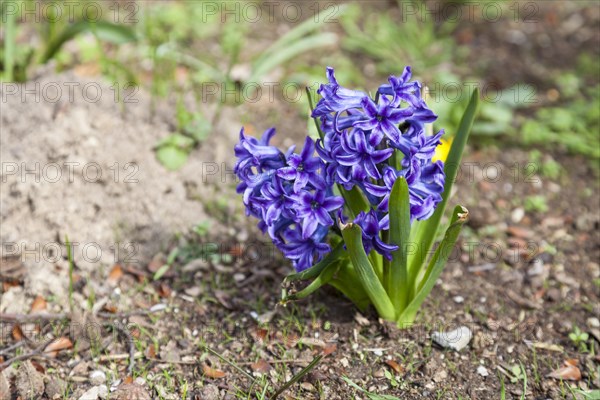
442,150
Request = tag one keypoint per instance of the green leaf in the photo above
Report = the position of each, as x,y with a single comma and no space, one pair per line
354,199
316,269
397,279
106,31
353,238
348,283
437,263
424,232
171,156
323,278
10,45
276,58
161,271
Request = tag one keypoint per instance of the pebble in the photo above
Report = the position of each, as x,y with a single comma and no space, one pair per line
593,322
458,299
95,393
481,370
517,215
457,339
97,377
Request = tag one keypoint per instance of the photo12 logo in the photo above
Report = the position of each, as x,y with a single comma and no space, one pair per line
125,12
69,171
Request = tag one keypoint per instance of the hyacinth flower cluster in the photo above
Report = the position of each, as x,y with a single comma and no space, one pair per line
359,208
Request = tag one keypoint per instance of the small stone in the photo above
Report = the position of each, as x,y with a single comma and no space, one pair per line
593,322
55,388
457,339
517,215
458,299
131,391
210,392
193,291
440,376
481,370
30,383
97,377
103,391
93,393
4,387
307,386
380,373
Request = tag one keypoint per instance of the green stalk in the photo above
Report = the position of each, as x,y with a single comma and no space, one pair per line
347,282
435,267
398,283
424,232
10,46
353,238
71,268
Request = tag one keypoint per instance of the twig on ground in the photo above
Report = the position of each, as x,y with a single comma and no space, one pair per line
234,365
298,376
38,350
26,318
12,347
127,335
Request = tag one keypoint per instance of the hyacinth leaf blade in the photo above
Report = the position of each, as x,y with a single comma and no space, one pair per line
311,105
424,232
352,234
435,266
346,282
355,201
322,279
397,279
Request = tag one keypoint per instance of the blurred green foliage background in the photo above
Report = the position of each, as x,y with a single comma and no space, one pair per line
175,47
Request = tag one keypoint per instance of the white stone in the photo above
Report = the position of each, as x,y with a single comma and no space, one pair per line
457,339
97,377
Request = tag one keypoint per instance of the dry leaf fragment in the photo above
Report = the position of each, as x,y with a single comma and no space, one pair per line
212,373
164,290
520,232
260,366
62,343
115,275
150,352
17,333
330,348
569,372
39,304
223,298
395,366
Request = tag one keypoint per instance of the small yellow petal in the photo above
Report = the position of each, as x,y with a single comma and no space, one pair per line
442,150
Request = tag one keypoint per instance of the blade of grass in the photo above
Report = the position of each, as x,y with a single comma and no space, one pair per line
71,268
298,376
10,46
106,31
231,363
274,59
